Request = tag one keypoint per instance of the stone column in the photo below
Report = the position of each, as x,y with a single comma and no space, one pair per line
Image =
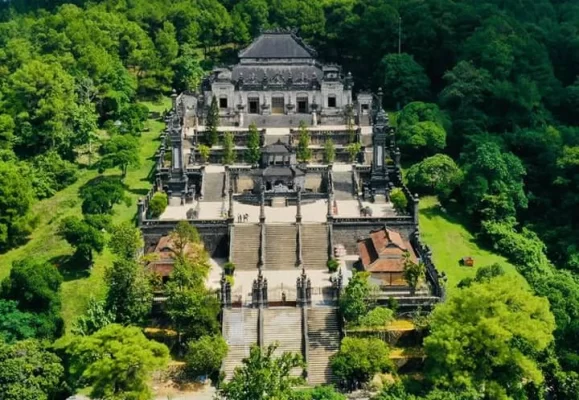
230,212
262,205
299,206
397,157
416,200
330,205
314,118
140,211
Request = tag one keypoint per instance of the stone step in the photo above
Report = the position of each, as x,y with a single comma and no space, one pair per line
245,249
314,245
283,326
213,186
280,246
240,332
324,341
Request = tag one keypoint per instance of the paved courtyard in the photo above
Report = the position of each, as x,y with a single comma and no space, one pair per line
279,281
312,212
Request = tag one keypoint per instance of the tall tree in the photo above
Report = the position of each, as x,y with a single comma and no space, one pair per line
304,153
130,294
228,148
28,371
15,202
101,195
84,237
253,153
404,80
120,151
263,376
213,122
358,360
116,362
437,175
329,151
125,241
358,297
486,337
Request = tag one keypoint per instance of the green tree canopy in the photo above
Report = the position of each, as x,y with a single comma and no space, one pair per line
116,361
228,149
486,337
126,240
437,175
205,355
493,185
120,151
15,324
358,360
357,298
83,236
15,202
253,154
29,372
101,194
263,376
130,295
404,79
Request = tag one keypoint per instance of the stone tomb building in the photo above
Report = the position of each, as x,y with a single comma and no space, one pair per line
279,82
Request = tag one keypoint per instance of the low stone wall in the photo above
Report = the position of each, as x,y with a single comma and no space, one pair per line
215,234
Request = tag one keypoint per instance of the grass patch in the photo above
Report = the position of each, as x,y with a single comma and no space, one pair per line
450,241
44,244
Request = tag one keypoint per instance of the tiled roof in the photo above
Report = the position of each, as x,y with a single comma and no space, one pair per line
276,45
384,251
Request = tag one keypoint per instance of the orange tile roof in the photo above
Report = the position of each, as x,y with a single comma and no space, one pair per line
384,251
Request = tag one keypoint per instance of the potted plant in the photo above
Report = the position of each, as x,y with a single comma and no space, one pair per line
229,268
333,265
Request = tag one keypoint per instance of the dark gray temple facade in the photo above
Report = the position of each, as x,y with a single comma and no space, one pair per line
279,82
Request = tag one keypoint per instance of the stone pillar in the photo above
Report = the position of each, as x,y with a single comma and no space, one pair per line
262,205
264,293
140,211
240,118
314,118
230,212
299,206
255,294
416,200
308,290
330,205
174,100
397,157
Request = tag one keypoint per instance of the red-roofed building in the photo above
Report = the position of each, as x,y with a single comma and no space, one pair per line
382,254
163,265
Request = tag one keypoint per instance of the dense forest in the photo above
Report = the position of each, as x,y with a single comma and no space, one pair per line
488,93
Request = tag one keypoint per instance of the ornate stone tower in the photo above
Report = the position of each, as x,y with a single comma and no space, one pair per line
381,139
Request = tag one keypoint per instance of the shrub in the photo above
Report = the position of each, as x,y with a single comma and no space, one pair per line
333,265
204,356
158,204
204,152
399,200
378,317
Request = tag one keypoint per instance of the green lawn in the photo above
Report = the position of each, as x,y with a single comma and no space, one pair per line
450,241
46,245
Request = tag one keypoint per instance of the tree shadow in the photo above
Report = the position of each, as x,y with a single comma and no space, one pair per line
71,267
138,192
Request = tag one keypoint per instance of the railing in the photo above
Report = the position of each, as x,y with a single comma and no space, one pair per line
400,219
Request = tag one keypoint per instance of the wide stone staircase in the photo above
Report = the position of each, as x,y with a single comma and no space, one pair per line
213,186
240,332
245,249
283,326
324,341
343,187
314,245
280,246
